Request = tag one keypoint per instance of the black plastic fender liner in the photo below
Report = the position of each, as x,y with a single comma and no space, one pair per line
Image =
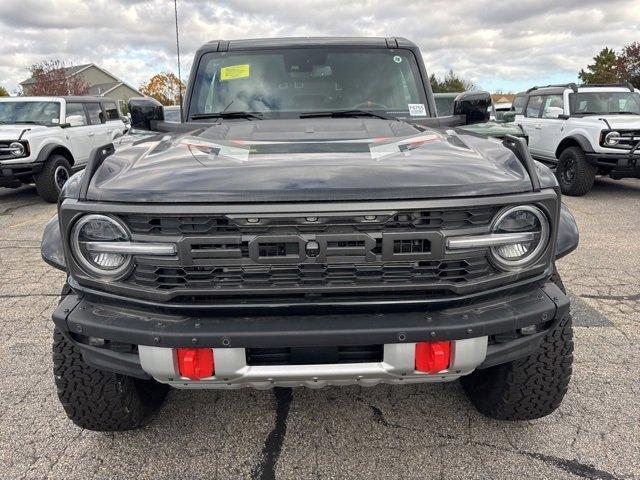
46,151
96,158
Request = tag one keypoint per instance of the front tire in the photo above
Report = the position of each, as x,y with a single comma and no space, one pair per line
527,388
575,174
50,180
100,400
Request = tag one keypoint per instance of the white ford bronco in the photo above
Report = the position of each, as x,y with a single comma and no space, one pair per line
584,131
44,139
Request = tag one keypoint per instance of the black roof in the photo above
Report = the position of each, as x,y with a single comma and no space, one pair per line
85,98
288,42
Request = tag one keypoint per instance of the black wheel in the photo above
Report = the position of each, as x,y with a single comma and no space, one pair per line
99,400
51,179
575,174
527,388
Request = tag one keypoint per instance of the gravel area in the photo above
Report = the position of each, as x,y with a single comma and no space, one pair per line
408,432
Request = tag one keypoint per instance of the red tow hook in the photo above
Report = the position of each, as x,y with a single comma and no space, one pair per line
432,357
196,363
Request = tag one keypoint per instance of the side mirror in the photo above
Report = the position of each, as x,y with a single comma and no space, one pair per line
553,112
75,120
509,116
474,106
145,112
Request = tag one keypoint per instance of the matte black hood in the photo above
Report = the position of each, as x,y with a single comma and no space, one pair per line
307,160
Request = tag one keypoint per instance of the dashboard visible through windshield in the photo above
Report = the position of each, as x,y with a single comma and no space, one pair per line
585,103
294,81
40,113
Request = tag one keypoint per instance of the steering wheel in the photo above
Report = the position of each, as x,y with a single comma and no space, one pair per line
368,105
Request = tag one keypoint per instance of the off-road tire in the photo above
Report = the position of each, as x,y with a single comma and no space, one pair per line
584,174
100,400
46,180
527,388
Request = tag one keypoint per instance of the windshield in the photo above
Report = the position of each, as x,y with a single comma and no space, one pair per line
291,81
604,102
44,113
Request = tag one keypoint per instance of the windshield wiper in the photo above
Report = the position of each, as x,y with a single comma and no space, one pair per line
347,113
624,112
200,116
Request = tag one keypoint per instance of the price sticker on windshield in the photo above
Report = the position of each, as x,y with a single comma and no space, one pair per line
234,72
417,110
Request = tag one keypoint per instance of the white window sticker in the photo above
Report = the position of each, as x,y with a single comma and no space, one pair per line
397,59
417,110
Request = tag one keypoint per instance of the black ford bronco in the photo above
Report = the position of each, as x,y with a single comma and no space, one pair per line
310,222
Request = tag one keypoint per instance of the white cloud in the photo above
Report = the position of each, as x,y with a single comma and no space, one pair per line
497,44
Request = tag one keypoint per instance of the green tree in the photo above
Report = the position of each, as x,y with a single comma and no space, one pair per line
451,83
3,92
604,69
630,63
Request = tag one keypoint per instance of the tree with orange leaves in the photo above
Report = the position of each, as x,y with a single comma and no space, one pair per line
164,87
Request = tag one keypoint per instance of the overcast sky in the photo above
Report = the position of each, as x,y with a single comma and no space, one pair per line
499,45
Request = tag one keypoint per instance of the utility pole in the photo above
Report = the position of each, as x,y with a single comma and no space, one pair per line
175,8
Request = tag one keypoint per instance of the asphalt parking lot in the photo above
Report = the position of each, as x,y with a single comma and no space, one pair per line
388,432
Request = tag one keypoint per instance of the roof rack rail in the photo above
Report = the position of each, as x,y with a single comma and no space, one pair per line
571,85
625,84
518,145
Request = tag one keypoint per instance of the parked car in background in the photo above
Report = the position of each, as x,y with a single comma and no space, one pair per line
490,129
45,139
313,222
584,131
498,110
172,113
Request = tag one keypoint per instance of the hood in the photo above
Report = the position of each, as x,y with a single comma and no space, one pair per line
12,132
623,122
307,160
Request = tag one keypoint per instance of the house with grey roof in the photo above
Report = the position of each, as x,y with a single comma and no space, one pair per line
101,83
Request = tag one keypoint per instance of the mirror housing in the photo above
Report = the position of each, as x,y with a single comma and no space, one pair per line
553,112
475,106
75,120
145,112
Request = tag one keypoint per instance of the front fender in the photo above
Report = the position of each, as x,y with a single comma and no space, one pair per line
568,235
51,246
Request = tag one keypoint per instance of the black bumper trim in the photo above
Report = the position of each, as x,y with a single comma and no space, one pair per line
622,164
534,305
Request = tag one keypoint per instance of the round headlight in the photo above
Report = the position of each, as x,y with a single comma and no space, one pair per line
520,219
612,138
88,238
17,149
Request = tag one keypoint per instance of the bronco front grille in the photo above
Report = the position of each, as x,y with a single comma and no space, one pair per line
314,254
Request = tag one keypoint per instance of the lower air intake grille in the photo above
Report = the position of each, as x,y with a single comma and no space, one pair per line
314,355
276,277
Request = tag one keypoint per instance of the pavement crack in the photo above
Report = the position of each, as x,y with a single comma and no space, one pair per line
266,469
573,467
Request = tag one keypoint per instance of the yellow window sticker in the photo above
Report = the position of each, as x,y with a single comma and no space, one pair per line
234,72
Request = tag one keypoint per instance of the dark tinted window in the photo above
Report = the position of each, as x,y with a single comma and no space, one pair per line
112,111
95,113
76,110
533,107
518,104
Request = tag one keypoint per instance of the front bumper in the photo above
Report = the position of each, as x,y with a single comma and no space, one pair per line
618,165
478,328
14,174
